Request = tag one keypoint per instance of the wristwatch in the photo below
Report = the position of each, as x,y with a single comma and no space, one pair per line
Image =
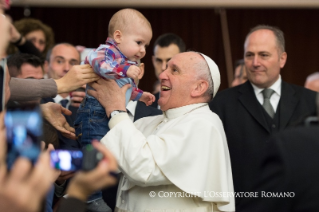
115,112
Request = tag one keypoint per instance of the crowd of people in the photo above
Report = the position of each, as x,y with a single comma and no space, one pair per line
183,147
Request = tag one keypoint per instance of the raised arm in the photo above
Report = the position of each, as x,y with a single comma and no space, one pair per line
112,97
32,89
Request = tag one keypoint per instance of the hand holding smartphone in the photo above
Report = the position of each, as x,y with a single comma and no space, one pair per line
24,131
73,160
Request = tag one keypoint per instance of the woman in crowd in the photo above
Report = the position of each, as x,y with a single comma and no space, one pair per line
34,31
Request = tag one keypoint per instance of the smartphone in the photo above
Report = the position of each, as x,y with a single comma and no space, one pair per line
24,132
73,160
66,160
3,66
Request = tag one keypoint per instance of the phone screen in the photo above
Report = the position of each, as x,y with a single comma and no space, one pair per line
24,131
67,160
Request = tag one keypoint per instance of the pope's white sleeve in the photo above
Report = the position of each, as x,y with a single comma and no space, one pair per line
132,151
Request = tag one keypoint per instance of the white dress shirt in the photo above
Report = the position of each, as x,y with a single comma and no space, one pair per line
131,107
59,98
274,99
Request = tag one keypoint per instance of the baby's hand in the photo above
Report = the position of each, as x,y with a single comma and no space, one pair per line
133,72
147,98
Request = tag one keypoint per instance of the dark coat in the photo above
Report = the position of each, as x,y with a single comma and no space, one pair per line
289,166
155,103
66,143
247,128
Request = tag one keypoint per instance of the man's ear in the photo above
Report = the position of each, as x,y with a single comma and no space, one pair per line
117,35
142,66
199,88
283,59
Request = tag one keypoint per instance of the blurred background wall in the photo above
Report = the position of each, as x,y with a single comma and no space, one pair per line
200,28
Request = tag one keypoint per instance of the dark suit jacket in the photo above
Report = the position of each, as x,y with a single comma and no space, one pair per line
247,130
141,111
289,164
71,204
66,143
155,104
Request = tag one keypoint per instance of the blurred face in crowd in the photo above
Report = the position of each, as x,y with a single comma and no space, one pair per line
178,81
161,57
240,75
313,85
37,38
62,58
263,58
29,71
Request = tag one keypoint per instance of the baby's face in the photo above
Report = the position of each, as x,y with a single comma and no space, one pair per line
134,42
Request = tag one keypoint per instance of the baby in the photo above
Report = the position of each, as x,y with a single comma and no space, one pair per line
129,34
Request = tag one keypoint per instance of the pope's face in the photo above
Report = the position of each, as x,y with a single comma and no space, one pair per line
263,59
177,81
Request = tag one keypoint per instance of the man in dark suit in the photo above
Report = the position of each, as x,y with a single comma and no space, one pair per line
66,143
265,104
58,62
165,47
288,179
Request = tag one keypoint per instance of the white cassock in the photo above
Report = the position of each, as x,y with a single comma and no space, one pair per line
181,157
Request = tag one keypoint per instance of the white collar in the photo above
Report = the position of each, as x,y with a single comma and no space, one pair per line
177,112
131,106
59,98
276,87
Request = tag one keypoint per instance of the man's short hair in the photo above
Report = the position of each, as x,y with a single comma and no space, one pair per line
169,38
47,58
277,32
15,62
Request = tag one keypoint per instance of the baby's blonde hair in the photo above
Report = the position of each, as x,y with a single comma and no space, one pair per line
124,18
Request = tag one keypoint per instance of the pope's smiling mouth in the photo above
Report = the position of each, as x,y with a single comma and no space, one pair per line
165,88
